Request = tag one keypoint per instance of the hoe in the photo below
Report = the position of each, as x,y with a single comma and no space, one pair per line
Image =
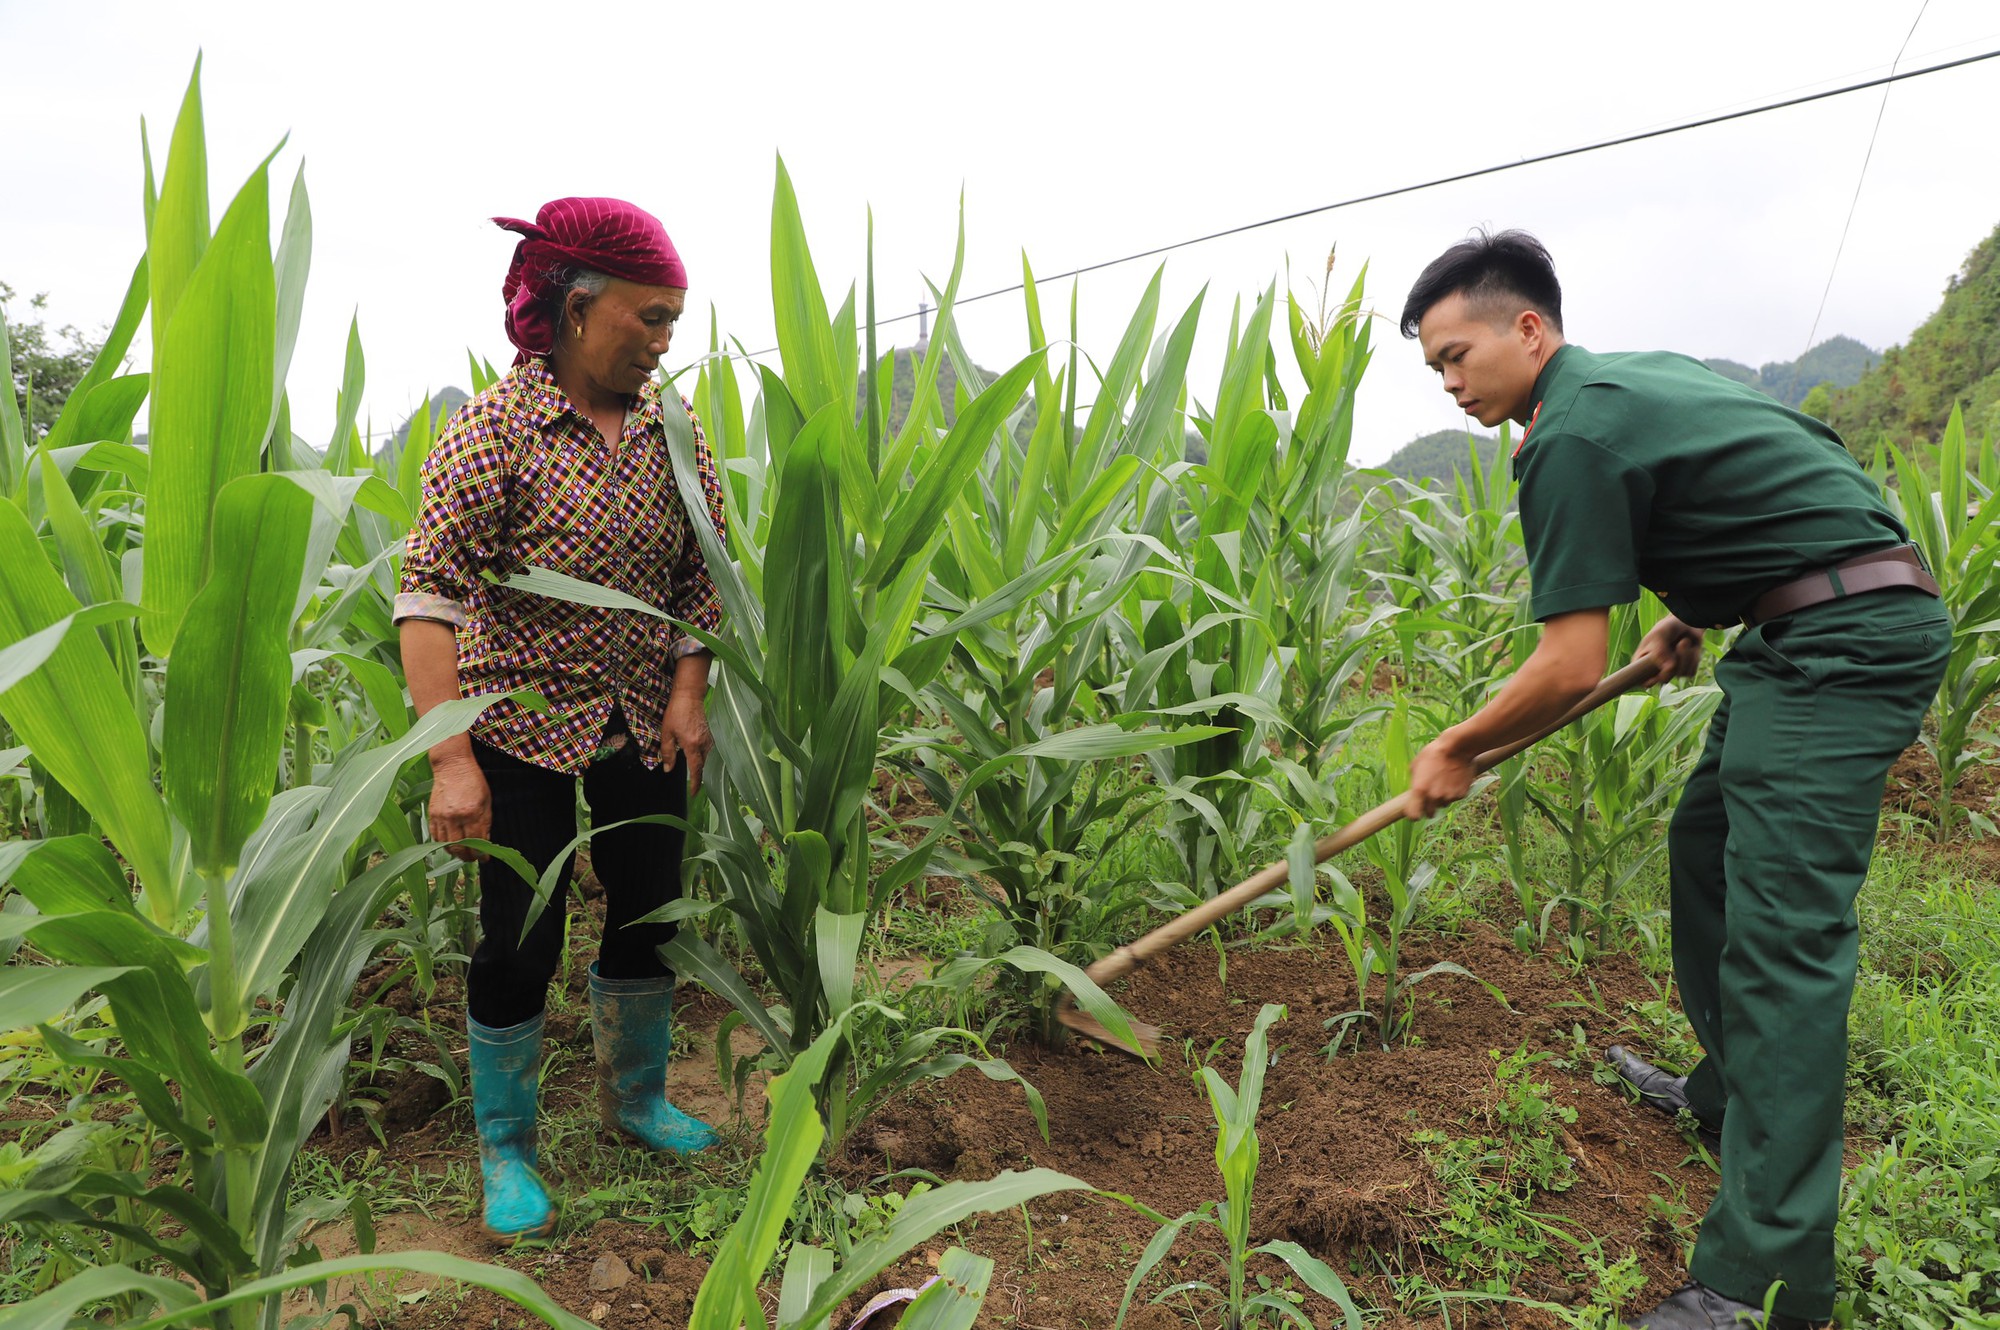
1133,954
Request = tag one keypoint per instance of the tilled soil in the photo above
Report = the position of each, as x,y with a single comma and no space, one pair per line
1339,1175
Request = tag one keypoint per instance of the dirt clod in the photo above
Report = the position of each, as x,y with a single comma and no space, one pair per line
608,1272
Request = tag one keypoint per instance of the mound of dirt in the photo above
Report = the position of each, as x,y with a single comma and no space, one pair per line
1339,1173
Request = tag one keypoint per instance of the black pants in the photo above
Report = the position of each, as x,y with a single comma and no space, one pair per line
534,812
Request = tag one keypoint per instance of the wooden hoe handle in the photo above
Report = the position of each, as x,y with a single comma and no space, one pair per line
1274,875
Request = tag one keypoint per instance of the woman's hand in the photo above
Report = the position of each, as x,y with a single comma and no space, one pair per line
461,805
684,730
1676,646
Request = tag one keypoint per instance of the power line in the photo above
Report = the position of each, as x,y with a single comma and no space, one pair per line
1855,202
1638,137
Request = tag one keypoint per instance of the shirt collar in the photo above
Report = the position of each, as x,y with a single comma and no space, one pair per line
547,401
1545,380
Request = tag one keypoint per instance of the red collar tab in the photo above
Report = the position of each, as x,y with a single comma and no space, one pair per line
1529,430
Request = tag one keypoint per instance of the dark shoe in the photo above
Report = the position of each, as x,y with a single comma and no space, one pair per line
1699,1307
1661,1093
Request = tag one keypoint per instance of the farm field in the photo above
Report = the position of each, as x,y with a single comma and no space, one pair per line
1005,680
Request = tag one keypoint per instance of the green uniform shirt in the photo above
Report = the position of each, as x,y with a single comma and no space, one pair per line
1650,469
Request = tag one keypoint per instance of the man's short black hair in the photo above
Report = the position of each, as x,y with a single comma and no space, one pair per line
1510,267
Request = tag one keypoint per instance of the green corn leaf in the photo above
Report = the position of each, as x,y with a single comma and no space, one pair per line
55,1309
123,458
1121,376
228,691
31,994
805,334
693,958
289,272
917,514
13,438
1032,502
728,1295
1083,521
156,1013
923,1217
1091,998
1087,742
279,900
1316,1275
23,658
515,1287
805,1270
177,235
844,742
799,656
837,945
353,379
561,586
68,875
953,1302
1156,1250
211,404
300,1072
743,609
87,567
75,713
70,426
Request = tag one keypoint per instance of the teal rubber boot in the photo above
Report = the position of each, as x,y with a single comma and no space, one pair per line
629,1019
505,1065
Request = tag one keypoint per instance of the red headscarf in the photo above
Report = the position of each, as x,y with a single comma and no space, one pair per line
604,235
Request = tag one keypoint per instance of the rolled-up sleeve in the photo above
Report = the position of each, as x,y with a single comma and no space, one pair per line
695,599
459,520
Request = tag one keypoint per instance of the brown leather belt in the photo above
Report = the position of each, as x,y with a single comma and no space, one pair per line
1871,572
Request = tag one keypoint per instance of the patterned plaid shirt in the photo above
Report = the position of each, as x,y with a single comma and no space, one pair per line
519,477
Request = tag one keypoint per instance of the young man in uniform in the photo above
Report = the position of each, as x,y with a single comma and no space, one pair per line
1651,470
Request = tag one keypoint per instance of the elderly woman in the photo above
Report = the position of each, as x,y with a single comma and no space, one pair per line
563,464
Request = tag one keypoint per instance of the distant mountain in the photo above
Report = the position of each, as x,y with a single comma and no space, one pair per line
1440,456
1840,361
443,402
1952,357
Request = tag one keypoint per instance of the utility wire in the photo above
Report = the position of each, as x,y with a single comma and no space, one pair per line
1855,202
1894,76
1600,145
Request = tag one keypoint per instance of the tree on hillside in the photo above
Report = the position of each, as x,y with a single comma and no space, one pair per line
1440,456
47,362
1836,362
1954,357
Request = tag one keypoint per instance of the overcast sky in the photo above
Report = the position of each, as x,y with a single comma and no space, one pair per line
1078,132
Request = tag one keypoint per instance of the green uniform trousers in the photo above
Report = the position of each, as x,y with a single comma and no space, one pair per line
1768,849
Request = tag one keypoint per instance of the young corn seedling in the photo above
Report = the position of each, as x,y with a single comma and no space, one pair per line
1236,1153
812,1287
1374,945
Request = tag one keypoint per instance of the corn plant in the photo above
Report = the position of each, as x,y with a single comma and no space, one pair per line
1604,785
225,932
811,645
1244,629
1236,1155
812,1287
1029,732
1952,523
1205,618
1373,943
